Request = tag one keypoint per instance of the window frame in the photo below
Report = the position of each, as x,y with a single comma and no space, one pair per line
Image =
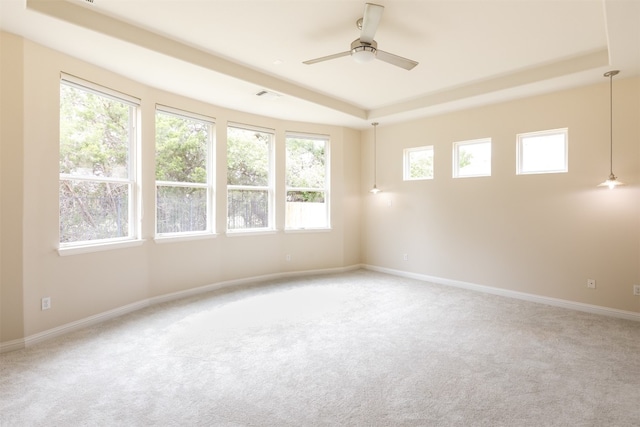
269,188
456,157
209,186
327,179
520,151
134,208
406,155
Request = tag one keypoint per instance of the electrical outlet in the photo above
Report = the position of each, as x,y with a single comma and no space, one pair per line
45,303
405,257
636,289
591,283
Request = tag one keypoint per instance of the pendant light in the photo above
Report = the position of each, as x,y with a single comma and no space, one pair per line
612,181
375,189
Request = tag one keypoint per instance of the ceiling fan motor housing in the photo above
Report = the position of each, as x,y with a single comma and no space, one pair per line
363,52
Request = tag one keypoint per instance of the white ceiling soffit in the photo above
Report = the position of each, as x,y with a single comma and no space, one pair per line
471,52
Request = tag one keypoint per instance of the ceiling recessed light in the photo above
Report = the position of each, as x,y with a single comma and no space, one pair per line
278,62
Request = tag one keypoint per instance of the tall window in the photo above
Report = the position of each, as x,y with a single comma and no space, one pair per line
97,193
250,190
472,158
418,163
542,152
184,178
307,179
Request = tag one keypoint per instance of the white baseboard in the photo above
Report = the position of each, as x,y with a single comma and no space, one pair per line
18,344
11,345
557,302
239,282
21,343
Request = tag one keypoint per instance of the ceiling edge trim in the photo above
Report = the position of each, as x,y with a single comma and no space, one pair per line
564,67
94,21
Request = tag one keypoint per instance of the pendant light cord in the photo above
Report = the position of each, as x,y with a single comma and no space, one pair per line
611,123
375,154
610,74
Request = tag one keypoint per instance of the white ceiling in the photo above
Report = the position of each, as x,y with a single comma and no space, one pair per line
470,52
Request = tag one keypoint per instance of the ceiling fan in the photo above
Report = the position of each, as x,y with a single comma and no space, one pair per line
365,48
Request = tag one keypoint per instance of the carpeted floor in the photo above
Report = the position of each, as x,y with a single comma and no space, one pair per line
354,349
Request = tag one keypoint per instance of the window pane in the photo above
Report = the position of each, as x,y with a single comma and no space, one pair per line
181,209
248,209
248,156
472,158
418,163
95,134
96,187
306,180
181,148
93,210
543,152
306,209
306,163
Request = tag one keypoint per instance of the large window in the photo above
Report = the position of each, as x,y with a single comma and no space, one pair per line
249,178
542,152
418,163
307,179
97,192
184,172
472,158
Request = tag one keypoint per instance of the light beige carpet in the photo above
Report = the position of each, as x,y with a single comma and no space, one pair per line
354,349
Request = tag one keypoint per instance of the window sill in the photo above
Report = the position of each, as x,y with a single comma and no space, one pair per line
308,230
171,238
236,233
85,249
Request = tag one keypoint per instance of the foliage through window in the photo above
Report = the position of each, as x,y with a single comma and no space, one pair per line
472,158
184,182
418,163
307,181
97,164
542,152
249,178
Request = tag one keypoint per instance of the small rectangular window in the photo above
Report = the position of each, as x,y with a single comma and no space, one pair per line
250,188
418,163
542,152
472,158
184,172
97,158
307,180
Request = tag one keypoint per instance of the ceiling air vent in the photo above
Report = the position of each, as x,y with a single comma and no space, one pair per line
266,94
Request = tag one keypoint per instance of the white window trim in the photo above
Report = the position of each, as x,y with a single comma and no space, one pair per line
407,163
98,89
209,185
456,163
519,151
327,182
133,180
99,246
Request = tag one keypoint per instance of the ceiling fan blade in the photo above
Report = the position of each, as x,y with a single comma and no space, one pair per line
370,21
326,58
396,60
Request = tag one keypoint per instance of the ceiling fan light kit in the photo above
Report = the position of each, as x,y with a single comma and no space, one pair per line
365,49
362,53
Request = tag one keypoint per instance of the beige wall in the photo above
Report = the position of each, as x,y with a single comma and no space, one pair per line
539,234
91,283
11,302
